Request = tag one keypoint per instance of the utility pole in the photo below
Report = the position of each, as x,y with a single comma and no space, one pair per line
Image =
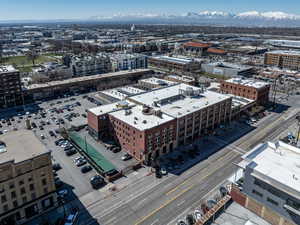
298,133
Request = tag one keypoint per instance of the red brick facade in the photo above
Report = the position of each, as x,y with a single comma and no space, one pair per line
260,95
145,144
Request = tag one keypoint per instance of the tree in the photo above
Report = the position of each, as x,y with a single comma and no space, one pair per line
32,55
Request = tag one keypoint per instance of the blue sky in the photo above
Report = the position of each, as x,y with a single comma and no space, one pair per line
80,9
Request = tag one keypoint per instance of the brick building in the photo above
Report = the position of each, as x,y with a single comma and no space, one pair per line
270,183
10,87
150,124
175,64
283,59
196,48
27,186
247,88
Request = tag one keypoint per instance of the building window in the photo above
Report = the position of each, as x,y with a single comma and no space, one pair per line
45,190
294,204
24,199
44,181
3,198
23,191
272,201
13,194
21,182
33,196
30,179
11,185
15,203
257,193
5,208
31,187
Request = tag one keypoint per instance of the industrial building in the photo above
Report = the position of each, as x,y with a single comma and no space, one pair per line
227,69
283,59
153,123
27,186
10,87
270,184
181,79
247,88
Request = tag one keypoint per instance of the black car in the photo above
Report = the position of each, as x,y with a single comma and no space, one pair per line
111,172
158,173
56,166
70,152
33,125
51,133
116,149
97,181
86,169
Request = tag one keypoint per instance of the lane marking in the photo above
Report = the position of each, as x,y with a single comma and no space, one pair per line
164,205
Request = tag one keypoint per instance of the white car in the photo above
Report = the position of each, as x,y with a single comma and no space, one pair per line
163,171
197,214
78,158
63,193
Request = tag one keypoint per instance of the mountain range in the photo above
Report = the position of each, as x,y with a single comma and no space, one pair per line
250,18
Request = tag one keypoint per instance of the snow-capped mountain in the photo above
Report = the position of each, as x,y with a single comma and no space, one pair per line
251,18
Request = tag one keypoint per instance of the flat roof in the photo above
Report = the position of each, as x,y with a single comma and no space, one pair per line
104,109
182,78
284,52
7,69
135,118
86,78
21,145
229,66
173,59
247,82
122,92
173,102
277,164
158,81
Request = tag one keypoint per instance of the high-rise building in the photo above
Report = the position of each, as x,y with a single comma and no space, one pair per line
10,87
27,186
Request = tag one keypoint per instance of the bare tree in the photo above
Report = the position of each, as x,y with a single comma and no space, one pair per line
32,55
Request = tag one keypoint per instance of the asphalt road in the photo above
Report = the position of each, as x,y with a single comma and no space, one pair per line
163,202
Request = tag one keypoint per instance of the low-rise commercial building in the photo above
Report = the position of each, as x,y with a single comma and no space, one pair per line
227,69
27,186
154,82
10,87
181,79
174,64
270,184
247,88
196,48
283,59
153,123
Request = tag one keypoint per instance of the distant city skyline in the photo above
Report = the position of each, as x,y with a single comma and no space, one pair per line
78,9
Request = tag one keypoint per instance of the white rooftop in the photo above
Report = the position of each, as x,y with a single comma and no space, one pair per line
248,82
173,102
158,81
7,68
285,52
135,118
276,163
104,109
182,78
174,59
123,92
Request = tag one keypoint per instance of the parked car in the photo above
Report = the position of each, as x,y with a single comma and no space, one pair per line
197,214
181,222
97,181
126,157
72,219
62,193
80,162
111,172
56,166
116,149
70,152
86,169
